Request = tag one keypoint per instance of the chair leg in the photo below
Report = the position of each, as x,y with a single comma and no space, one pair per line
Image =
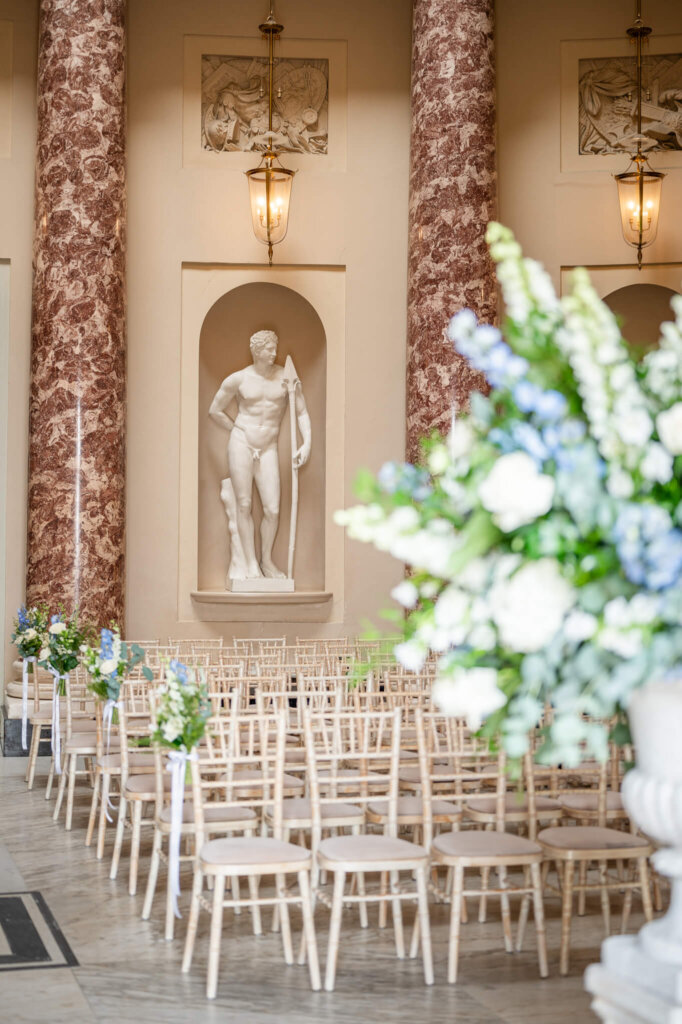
424,923
604,893
383,906
215,935
255,909
33,755
483,901
523,912
334,930
50,778
169,928
455,921
397,909
280,883
539,915
93,808
192,923
71,789
506,914
120,829
566,911
60,792
643,868
234,885
103,811
135,847
582,880
153,875
309,931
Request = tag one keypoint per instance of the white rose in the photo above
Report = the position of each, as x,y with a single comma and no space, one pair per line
626,645
406,594
30,634
515,492
528,608
472,694
439,460
57,627
669,427
108,666
619,484
44,654
451,616
635,427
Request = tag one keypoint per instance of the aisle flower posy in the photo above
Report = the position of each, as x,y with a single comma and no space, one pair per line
544,531
61,650
30,629
182,708
110,665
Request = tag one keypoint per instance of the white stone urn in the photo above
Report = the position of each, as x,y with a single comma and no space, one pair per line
652,794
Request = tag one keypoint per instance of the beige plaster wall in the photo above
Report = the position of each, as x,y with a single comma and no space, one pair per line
17,98
349,214
560,218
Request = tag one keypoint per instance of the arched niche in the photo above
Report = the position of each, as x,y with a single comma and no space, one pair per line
641,309
224,349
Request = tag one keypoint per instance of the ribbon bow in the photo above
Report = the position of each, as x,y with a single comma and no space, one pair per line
177,765
55,739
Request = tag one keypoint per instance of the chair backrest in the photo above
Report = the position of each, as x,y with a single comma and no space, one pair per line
352,757
240,764
80,701
134,718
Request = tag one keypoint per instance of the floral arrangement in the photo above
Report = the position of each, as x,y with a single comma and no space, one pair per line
544,532
182,708
62,645
111,663
30,629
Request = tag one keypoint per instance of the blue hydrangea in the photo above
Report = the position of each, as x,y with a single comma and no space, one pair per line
403,476
22,618
529,440
649,547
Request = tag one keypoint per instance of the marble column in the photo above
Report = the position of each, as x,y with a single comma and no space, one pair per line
76,498
452,198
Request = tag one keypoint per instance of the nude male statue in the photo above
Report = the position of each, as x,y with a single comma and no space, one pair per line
262,400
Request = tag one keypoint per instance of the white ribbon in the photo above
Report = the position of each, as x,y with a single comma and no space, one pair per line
177,764
107,718
55,739
24,695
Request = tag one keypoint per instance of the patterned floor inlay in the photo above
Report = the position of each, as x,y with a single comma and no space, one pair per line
29,935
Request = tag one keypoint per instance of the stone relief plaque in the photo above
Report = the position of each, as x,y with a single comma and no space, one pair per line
234,104
607,103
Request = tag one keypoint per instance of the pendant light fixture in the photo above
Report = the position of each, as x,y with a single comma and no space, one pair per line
270,183
639,188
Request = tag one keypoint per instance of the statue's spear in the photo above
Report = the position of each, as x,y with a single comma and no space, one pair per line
290,381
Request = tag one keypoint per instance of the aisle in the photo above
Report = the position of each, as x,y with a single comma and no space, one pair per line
128,973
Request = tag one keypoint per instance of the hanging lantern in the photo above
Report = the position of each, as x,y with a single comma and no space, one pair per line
639,190
270,183
270,195
639,195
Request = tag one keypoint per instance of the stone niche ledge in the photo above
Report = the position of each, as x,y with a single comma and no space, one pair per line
226,606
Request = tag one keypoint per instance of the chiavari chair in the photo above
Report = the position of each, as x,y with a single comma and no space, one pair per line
80,739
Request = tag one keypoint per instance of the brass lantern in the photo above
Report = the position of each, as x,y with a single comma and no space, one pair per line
270,183
639,188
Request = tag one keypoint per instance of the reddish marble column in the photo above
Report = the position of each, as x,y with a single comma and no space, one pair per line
76,499
452,198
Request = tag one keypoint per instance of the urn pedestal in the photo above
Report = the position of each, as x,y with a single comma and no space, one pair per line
639,978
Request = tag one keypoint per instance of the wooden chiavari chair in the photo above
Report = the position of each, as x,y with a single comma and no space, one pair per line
80,739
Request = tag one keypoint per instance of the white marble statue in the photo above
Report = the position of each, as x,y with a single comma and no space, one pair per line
262,391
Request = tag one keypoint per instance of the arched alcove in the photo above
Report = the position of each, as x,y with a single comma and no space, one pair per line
641,309
224,349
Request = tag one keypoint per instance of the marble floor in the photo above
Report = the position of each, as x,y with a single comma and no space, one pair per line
128,973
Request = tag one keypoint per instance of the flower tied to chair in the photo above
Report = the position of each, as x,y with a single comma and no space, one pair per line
177,765
58,689
110,706
24,695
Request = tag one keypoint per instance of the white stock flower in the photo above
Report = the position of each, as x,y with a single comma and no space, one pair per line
108,666
515,492
460,439
451,616
620,483
657,464
580,626
57,627
406,594
669,426
411,655
472,694
528,608
634,426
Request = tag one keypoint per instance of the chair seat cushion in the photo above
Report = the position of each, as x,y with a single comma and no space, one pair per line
369,849
144,785
589,802
112,762
478,843
591,837
544,805
253,851
212,814
86,741
411,810
350,774
250,774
